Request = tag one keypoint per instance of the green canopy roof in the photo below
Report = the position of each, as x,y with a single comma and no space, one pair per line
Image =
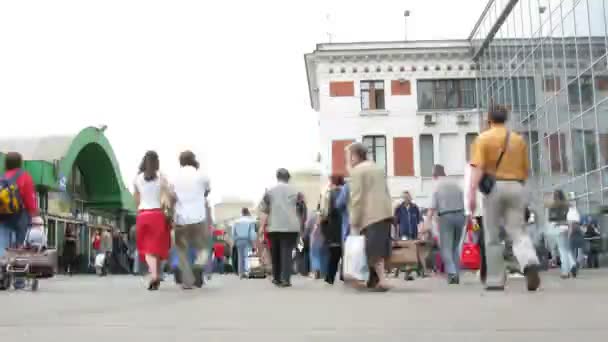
50,160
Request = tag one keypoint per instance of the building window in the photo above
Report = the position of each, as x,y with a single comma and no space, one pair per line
556,144
376,149
468,143
372,95
584,151
427,155
446,94
451,153
517,93
580,98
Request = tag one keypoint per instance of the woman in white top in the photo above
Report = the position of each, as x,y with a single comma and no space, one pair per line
152,230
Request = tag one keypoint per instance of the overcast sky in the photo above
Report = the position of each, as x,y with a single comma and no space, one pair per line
223,78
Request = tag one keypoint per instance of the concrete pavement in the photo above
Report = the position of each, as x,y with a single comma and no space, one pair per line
87,308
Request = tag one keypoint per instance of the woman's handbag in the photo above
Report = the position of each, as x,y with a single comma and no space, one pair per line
488,181
167,199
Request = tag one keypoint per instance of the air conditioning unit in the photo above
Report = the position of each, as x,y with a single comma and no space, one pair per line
463,118
430,119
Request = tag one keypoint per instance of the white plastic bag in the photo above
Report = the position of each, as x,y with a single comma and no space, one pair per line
100,259
355,259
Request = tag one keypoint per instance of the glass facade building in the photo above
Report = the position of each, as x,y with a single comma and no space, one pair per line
546,61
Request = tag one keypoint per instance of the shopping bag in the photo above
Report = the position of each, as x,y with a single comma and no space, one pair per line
470,258
100,260
355,259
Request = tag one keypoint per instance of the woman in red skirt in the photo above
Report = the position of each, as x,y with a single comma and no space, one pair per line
153,234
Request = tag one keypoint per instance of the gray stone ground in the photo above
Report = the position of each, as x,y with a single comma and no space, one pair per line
117,308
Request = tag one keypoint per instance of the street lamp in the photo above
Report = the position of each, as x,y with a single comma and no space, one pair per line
406,14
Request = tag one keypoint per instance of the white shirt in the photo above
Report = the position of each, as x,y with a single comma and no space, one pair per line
573,215
190,186
149,192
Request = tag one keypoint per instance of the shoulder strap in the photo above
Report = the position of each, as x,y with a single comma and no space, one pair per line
16,176
504,149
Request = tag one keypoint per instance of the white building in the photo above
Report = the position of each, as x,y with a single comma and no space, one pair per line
229,209
412,103
308,182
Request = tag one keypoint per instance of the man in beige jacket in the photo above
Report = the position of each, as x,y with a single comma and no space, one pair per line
370,212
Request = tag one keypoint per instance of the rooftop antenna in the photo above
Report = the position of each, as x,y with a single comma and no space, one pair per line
406,14
328,21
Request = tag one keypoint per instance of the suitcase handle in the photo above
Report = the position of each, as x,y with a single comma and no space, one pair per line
13,269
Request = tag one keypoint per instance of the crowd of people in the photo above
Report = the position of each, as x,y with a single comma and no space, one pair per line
174,218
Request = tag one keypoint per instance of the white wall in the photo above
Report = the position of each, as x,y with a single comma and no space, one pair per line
342,118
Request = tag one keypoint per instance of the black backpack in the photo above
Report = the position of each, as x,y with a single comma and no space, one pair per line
331,226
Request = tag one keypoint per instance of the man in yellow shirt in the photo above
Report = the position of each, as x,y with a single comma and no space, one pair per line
504,155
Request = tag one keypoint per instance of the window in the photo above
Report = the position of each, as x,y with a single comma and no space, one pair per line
446,94
517,93
376,149
372,95
584,96
427,155
523,93
584,151
468,143
556,144
451,153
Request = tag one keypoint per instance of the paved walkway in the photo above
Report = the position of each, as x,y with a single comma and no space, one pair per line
88,308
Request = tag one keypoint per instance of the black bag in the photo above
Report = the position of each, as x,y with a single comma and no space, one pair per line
488,181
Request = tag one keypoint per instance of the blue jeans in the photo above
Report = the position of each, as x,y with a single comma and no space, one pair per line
218,265
451,228
565,253
243,248
318,259
13,232
6,238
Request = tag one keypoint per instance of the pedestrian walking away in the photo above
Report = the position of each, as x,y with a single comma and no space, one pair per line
559,229
499,169
279,211
370,211
318,253
70,249
191,189
18,203
153,229
448,205
331,227
243,234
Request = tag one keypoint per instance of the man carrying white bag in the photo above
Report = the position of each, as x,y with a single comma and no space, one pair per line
371,215
355,260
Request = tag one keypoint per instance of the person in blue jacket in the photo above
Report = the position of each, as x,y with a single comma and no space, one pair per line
407,218
342,205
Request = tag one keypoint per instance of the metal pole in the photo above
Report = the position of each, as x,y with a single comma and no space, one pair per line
406,14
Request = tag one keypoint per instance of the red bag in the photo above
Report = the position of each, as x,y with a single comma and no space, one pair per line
470,258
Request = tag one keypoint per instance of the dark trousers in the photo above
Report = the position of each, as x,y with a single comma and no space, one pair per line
282,245
335,254
483,271
593,260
